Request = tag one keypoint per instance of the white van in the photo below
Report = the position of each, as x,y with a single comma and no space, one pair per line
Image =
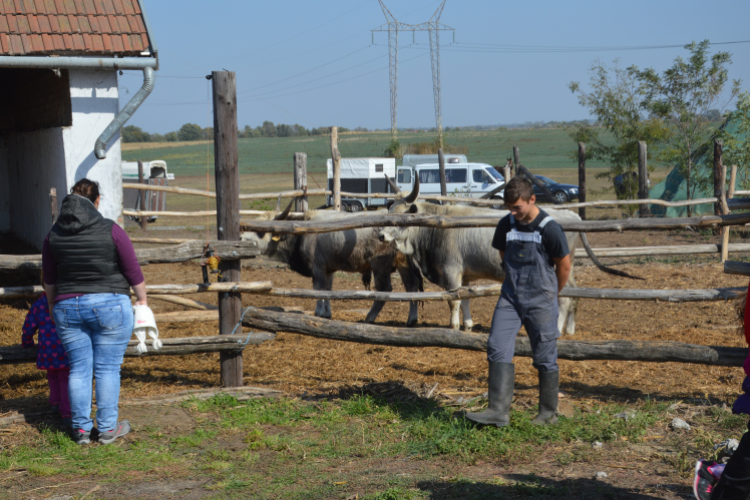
155,174
470,180
362,175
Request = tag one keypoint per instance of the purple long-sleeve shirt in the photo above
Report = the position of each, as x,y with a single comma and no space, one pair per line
126,258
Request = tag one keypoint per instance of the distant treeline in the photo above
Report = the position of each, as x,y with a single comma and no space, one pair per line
193,132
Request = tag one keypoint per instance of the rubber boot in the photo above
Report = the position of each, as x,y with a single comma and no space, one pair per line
549,386
501,384
734,483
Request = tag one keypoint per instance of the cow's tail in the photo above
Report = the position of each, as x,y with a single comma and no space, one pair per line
367,279
601,266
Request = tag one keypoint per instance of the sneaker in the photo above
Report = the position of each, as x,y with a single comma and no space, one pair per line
81,437
121,428
705,478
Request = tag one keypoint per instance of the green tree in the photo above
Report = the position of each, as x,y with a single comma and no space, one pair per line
190,132
131,133
737,145
268,129
170,137
616,99
683,97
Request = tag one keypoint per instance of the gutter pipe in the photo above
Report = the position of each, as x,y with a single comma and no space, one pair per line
147,64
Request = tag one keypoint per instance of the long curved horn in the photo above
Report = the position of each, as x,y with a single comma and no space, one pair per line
602,267
393,185
278,204
414,192
283,215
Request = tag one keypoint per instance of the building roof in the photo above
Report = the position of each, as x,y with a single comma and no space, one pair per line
72,27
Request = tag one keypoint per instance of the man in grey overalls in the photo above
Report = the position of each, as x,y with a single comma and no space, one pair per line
537,264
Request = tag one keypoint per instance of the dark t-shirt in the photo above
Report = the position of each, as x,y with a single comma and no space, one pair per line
553,237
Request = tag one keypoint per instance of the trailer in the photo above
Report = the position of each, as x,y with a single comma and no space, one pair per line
154,174
362,175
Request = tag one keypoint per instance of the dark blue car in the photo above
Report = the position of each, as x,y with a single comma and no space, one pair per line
561,193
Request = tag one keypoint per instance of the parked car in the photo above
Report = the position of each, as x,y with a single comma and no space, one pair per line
560,192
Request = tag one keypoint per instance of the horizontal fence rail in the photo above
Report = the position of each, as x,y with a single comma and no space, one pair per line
623,350
708,248
170,347
443,222
19,292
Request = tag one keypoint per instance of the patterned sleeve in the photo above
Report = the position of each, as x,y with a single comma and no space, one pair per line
30,326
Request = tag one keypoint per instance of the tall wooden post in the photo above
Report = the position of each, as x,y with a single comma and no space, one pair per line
300,181
516,158
643,211
336,161
142,196
227,213
441,166
582,178
53,203
725,229
718,161
508,171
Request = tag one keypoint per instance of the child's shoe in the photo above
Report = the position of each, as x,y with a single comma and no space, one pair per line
707,474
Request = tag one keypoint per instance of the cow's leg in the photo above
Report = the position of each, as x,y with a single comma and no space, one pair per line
452,281
323,281
412,283
381,270
466,312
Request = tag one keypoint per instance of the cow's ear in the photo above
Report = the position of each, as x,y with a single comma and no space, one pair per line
413,209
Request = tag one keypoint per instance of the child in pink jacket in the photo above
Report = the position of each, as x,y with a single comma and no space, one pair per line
50,354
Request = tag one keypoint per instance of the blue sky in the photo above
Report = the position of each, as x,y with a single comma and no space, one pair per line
314,63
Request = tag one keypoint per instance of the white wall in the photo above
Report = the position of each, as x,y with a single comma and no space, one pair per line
33,162
94,102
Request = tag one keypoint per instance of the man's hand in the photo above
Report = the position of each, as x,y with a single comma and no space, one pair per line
562,270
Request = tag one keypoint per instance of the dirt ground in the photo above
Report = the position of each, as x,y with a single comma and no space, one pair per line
306,367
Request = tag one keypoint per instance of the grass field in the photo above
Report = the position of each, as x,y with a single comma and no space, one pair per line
540,149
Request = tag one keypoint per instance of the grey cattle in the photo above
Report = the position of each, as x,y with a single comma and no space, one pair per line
355,251
451,258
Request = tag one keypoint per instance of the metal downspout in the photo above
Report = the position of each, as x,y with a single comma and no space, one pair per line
124,115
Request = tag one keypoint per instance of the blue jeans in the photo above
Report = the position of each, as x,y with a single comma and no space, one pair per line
94,330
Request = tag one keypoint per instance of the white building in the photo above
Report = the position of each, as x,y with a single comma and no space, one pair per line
59,104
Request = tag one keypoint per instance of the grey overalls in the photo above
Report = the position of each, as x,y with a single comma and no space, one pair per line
528,298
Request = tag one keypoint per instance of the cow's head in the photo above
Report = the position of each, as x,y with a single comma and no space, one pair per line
399,236
268,243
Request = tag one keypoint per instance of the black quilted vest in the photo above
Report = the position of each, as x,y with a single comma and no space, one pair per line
81,242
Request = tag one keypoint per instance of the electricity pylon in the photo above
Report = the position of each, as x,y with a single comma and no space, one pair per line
433,27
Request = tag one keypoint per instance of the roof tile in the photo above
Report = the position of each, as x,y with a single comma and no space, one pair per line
18,7
94,24
29,7
5,43
103,24
73,21
23,24
8,6
12,24
87,41
99,5
57,40
64,24
113,24
40,8
78,42
107,40
88,6
49,45
97,43
137,42
16,44
83,24
33,24
44,26
26,43
137,6
79,6
54,25
123,22
3,24
109,7
117,44
60,7
36,43
68,41
126,43
127,6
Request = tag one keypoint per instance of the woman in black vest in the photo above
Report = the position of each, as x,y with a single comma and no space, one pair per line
89,268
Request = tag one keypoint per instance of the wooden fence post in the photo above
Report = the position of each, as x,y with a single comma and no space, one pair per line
300,181
441,166
718,161
53,203
643,211
725,231
228,213
516,158
582,179
336,161
142,196
508,171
